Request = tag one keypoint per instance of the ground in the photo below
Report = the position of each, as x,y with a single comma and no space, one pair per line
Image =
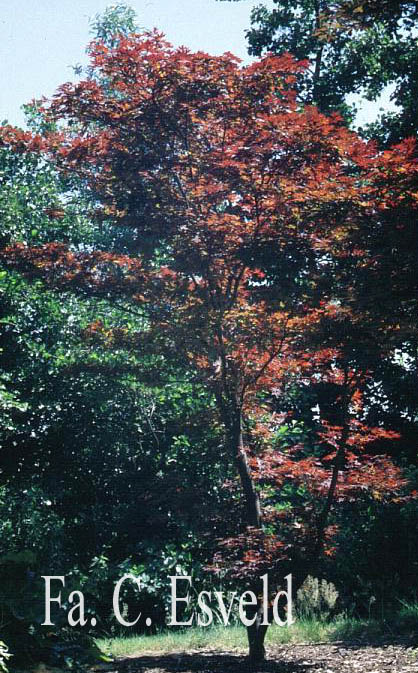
325,658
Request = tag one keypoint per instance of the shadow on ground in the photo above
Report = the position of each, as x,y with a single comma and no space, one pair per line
387,656
206,663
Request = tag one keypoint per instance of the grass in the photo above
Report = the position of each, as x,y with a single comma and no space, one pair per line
234,638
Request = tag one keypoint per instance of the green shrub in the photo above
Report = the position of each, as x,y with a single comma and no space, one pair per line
316,599
22,608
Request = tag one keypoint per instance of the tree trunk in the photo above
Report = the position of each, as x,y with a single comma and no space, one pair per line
318,58
256,633
234,429
252,501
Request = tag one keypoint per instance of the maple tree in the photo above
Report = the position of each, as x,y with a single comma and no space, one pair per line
247,219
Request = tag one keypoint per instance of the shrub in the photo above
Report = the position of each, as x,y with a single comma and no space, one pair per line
316,598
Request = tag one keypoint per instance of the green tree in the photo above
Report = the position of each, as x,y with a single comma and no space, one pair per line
353,47
100,456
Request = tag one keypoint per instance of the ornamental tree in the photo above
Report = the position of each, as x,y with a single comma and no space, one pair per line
238,218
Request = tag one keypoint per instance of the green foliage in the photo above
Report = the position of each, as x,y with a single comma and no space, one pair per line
22,603
9,403
353,48
117,20
30,194
406,620
97,448
316,599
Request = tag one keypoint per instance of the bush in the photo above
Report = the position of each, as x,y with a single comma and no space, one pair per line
316,599
22,609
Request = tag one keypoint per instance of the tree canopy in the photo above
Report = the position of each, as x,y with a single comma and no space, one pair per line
354,47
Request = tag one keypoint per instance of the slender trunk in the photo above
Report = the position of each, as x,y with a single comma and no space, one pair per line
338,466
316,76
318,57
256,633
323,519
252,501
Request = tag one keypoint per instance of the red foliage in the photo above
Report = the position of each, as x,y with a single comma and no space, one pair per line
216,165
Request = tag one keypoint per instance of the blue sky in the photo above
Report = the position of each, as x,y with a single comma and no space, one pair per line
41,39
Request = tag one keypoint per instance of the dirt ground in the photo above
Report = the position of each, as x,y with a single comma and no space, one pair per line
324,658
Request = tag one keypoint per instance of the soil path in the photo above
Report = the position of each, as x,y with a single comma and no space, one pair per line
322,658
